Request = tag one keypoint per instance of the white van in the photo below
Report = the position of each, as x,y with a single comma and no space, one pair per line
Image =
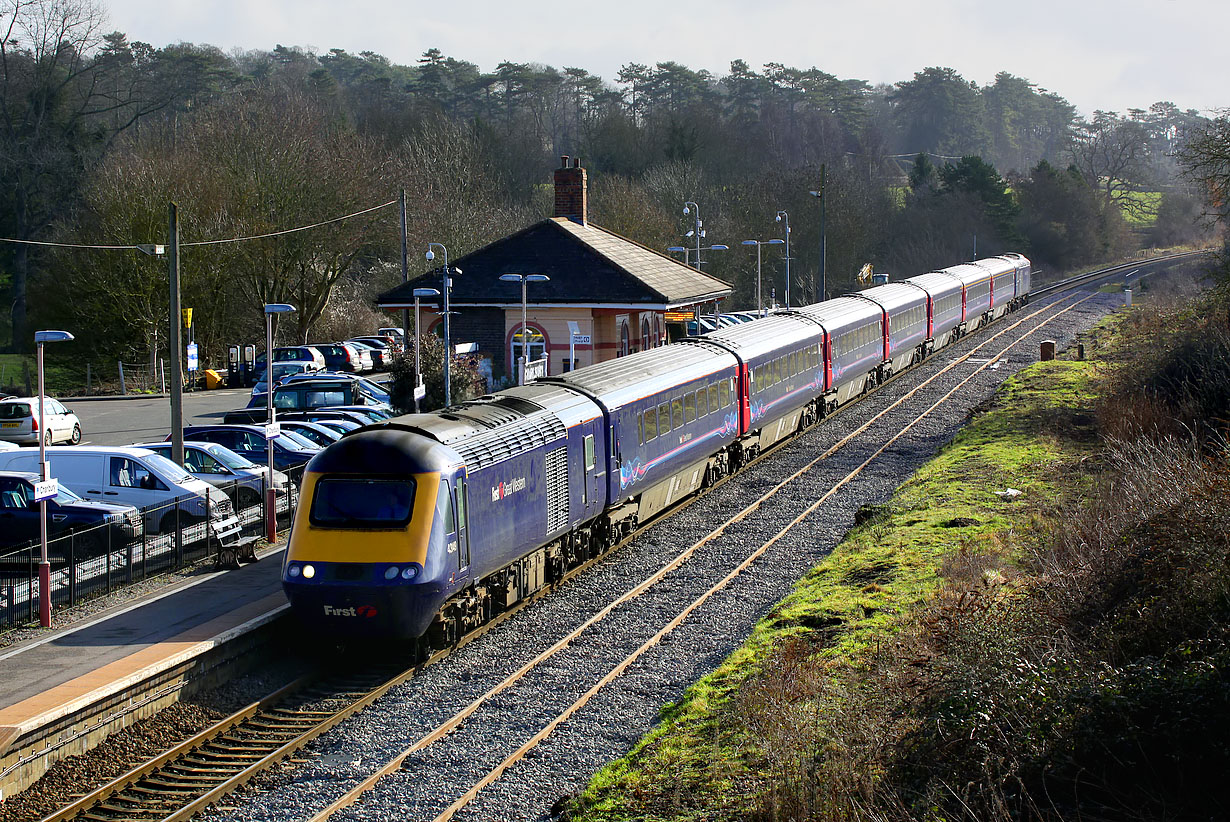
138,477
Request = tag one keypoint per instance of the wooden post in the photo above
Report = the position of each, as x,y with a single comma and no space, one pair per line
1047,350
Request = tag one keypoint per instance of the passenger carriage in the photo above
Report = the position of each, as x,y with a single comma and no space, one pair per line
853,344
976,300
904,307
945,300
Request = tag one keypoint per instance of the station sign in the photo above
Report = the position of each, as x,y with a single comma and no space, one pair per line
193,362
420,391
679,316
582,339
534,369
47,489
272,429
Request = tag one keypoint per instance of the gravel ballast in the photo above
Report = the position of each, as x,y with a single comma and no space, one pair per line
624,710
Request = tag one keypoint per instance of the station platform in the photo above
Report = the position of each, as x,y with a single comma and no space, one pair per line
54,680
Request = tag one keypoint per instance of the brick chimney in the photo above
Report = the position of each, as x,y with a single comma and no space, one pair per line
571,197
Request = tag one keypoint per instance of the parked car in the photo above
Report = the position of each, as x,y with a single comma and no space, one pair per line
380,352
342,427
320,415
321,435
339,357
164,491
99,525
373,413
282,370
290,353
19,422
374,391
304,395
222,467
248,441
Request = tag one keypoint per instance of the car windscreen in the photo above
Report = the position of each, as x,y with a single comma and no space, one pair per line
168,469
339,502
14,410
65,496
228,457
296,445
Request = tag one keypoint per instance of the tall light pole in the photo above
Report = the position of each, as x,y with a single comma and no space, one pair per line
784,219
698,231
448,349
686,251
823,239
525,343
758,244
418,373
271,508
44,564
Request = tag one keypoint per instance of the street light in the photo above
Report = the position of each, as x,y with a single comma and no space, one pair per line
784,219
820,195
525,344
418,374
758,244
44,565
687,251
448,351
271,508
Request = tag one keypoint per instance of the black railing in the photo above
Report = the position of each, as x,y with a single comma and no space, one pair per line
92,562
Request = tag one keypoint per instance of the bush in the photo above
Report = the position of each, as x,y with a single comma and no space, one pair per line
464,375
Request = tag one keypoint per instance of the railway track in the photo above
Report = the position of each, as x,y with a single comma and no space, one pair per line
182,782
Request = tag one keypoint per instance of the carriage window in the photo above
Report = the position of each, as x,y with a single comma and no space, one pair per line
650,424
702,402
640,428
689,407
676,413
664,418
713,397
724,393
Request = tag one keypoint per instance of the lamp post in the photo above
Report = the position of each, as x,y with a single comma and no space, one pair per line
525,344
418,373
698,231
448,350
823,239
784,219
44,565
758,244
271,508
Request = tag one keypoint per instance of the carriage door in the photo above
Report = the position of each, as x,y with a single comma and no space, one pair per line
463,521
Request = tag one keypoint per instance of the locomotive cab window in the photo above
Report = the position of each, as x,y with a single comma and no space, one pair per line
589,452
362,503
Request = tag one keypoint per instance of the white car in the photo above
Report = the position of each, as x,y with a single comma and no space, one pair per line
19,422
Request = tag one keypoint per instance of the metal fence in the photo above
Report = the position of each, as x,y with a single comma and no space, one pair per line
93,562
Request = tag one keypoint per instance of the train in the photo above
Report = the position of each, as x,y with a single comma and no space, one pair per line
424,526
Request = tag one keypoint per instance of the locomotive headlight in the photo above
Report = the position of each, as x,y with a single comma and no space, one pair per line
309,571
391,572
410,572
292,571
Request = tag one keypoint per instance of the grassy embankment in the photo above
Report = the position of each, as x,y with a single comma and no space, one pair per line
944,662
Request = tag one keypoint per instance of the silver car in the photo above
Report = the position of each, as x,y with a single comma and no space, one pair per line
219,465
19,422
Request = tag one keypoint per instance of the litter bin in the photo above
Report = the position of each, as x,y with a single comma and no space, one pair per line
212,379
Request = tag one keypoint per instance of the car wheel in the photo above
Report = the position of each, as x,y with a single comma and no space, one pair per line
47,440
76,437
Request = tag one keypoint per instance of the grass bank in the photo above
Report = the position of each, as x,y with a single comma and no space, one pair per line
962,654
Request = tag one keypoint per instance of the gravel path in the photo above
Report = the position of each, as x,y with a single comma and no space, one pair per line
622,712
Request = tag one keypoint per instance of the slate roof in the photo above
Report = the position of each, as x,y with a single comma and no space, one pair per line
587,264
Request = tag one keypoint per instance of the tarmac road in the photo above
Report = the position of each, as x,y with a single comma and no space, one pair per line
125,420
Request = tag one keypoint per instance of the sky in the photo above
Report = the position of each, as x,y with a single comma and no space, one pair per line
1099,54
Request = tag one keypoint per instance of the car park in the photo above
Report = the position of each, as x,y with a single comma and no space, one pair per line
248,441
19,422
363,355
382,351
339,357
371,413
342,427
291,353
97,525
164,491
318,415
304,395
374,391
282,370
223,468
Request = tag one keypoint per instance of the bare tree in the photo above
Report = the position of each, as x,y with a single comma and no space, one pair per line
1111,152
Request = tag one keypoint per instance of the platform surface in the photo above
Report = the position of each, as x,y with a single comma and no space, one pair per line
52,670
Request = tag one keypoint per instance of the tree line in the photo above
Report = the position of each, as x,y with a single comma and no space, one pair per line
98,134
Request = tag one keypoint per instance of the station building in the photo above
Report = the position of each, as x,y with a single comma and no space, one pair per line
619,295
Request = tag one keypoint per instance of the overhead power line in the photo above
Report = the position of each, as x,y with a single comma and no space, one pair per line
207,242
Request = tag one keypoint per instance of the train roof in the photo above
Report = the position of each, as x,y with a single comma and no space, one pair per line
766,335
892,296
572,407
383,449
840,313
936,283
968,273
617,382
997,265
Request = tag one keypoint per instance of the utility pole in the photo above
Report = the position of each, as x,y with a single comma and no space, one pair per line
823,238
174,354
405,275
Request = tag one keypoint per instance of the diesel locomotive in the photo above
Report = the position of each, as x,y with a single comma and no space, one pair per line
425,525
